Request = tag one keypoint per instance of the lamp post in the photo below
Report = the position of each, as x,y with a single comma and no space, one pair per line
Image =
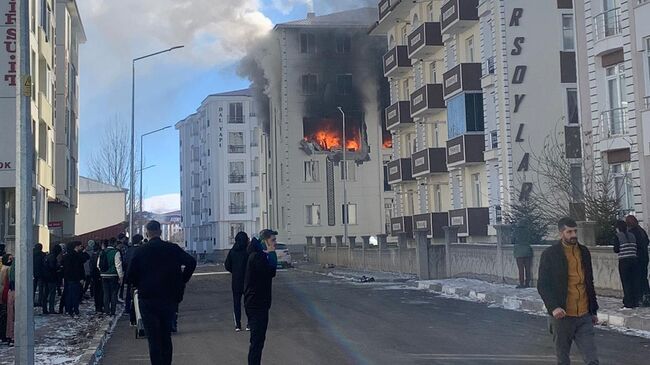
142,158
345,191
132,169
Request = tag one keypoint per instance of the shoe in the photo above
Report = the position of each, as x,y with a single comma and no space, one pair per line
248,328
237,329
625,308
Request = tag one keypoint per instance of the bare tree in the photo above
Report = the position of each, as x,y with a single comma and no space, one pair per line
110,163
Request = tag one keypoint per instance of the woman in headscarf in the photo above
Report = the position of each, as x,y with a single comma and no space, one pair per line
236,264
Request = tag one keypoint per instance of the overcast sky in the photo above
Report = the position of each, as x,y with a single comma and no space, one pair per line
170,86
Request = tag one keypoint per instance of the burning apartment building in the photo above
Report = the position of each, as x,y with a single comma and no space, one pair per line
326,68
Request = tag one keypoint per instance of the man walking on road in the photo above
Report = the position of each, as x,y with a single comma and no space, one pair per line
260,271
156,270
236,265
110,268
566,285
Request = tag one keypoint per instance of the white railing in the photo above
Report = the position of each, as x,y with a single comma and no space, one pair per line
614,122
607,24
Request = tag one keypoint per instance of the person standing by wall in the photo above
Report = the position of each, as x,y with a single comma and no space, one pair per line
625,247
260,271
236,265
159,270
566,285
73,274
39,257
524,256
110,268
51,278
642,242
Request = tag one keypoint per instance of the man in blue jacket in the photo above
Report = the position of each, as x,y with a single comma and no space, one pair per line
260,271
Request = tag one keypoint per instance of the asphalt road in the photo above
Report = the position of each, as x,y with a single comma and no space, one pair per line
321,320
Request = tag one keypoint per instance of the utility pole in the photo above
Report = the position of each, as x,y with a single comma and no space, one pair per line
24,303
346,211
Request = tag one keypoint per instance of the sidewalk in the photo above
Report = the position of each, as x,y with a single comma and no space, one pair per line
634,321
61,339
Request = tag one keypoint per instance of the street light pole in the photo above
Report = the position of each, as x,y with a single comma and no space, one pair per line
142,159
345,191
24,302
132,167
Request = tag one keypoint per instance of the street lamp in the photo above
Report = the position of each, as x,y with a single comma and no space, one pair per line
132,169
345,190
142,157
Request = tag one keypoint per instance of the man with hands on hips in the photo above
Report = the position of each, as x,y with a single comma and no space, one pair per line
566,285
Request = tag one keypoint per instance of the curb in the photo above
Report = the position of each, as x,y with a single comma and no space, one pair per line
95,350
343,274
537,306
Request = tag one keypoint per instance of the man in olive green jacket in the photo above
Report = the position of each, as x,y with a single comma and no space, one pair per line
524,255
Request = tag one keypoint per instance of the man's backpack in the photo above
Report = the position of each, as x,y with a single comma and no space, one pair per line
103,261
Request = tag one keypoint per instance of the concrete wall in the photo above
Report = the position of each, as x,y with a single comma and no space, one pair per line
100,210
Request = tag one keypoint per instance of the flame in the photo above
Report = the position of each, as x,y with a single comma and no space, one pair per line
329,137
388,143
352,145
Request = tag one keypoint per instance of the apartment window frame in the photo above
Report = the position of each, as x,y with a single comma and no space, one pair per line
470,48
432,72
309,84
344,84
311,171
236,112
307,43
236,148
623,185
437,198
343,44
568,32
350,215
312,215
237,177
646,64
46,20
430,14
494,139
348,171
476,190
573,108
406,89
237,205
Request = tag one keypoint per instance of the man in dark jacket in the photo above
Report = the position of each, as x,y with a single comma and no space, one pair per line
236,264
156,270
128,257
39,258
73,274
51,279
642,242
260,271
566,285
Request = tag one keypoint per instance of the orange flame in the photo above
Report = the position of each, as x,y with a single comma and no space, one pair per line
388,143
329,137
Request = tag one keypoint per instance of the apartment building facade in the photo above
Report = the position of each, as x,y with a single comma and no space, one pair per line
54,25
329,70
468,80
220,167
614,84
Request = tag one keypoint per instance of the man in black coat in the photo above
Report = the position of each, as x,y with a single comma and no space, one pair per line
51,279
236,264
260,271
73,274
642,241
156,270
39,258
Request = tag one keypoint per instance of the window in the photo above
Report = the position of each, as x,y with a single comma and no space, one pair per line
344,84
352,210
312,172
388,213
614,118
469,49
343,44
416,22
576,182
351,174
437,198
436,135
430,14
568,37
307,43
573,116
432,72
236,113
46,16
236,173
406,92
476,190
309,84
236,142
391,42
237,203
450,53
623,188
312,215
647,71
494,139
405,35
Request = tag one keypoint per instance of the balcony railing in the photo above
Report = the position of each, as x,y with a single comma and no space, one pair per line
236,148
236,179
607,24
237,209
236,119
615,120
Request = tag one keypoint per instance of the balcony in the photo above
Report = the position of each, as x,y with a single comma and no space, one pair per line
470,221
399,171
429,161
236,148
398,115
427,101
462,78
235,119
466,149
237,209
607,24
384,8
613,130
236,179
425,41
458,15
431,223
397,62
401,225
390,11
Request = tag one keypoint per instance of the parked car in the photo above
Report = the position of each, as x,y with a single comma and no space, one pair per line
284,257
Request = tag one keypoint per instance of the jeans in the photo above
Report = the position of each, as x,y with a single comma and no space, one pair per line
524,265
110,286
98,294
73,295
157,317
39,285
128,303
580,330
236,299
258,321
627,269
48,297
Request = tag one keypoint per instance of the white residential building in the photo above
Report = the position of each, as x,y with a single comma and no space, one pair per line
100,205
220,168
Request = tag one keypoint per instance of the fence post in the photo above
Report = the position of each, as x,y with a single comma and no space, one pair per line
402,245
339,244
364,247
383,245
422,254
504,237
451,236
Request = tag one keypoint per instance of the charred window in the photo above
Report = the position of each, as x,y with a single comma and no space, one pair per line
309,84
344,84
343,44
307,43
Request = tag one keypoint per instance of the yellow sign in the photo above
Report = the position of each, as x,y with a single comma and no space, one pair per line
27,86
